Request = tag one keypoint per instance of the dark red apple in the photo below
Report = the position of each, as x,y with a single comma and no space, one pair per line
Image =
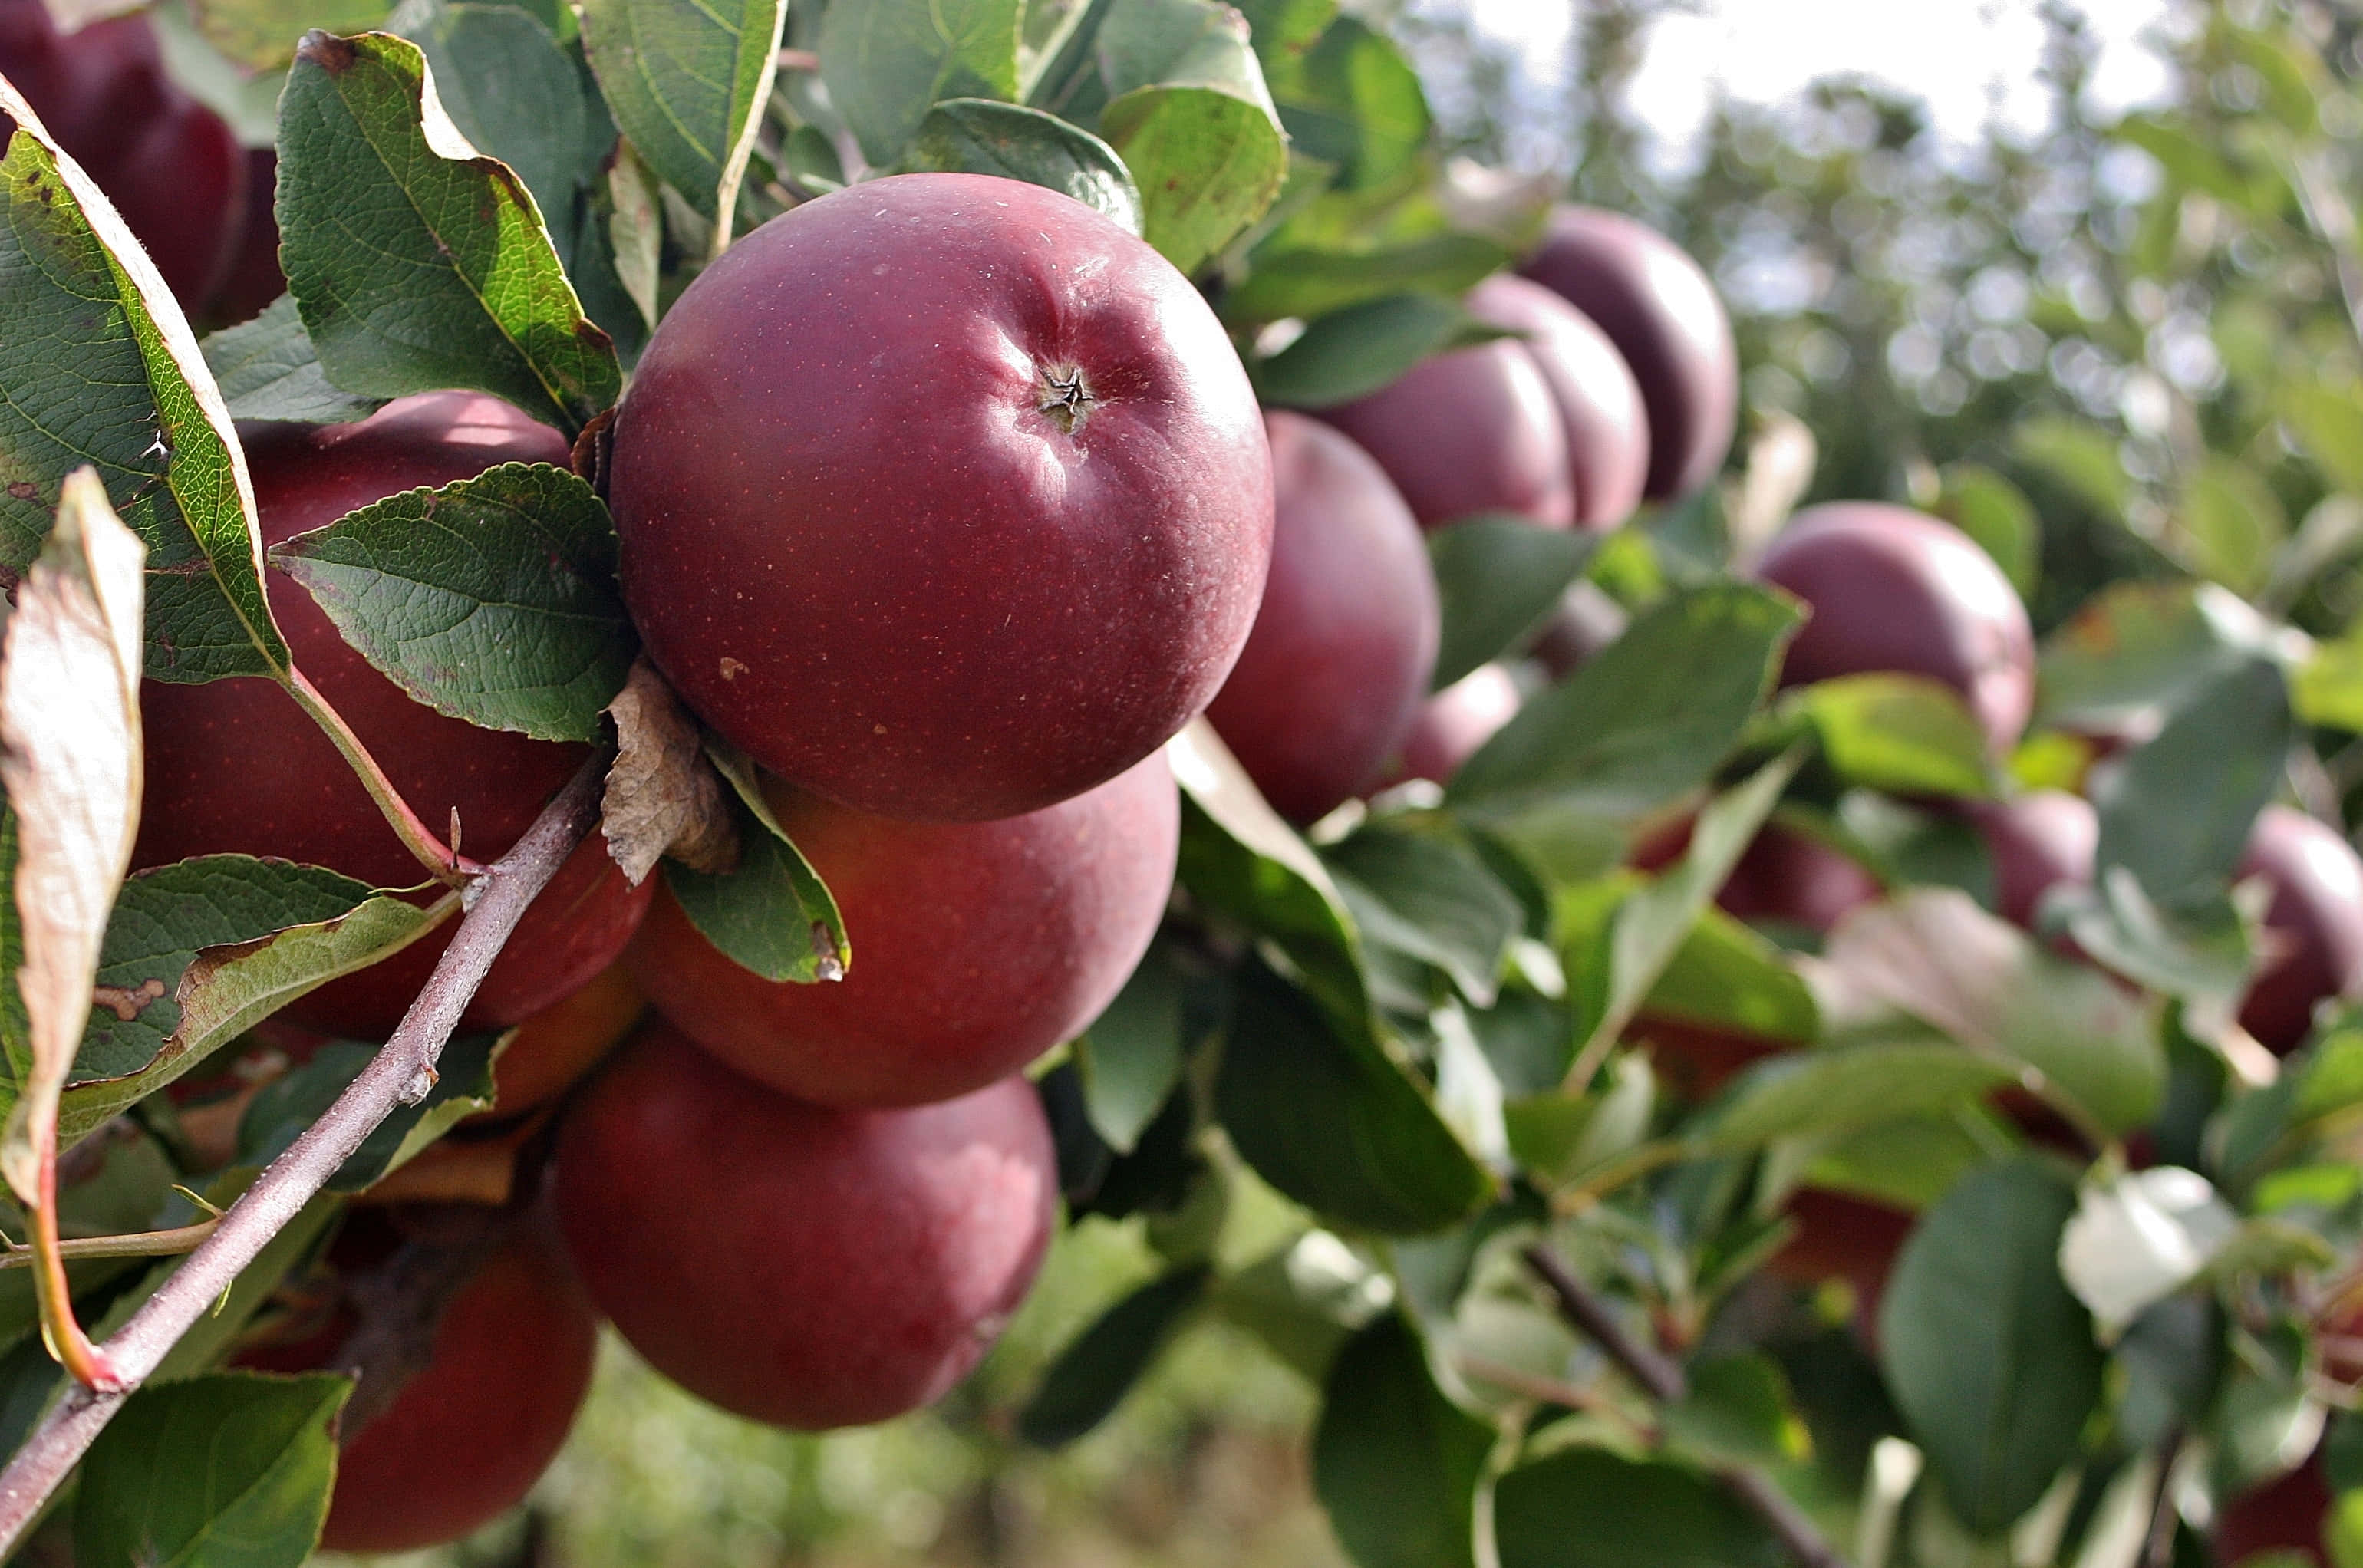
252,279
1333,674
1788,877
944,496
1599,401
808,1267
235,767
1473,430
169,164
1455,723
2283,1516
564,1040
471,1431
1660,309
2314,929
977,946
2037,841
1842,1237
1891,588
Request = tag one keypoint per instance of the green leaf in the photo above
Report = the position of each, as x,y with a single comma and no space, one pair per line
1309,281
1353,101
1988,1356
1100,1365
2328,689
1997,514
888,61
1335,1122
1207,160
2177,811
267,370
1830,1093
1903,734
1353,352
1652,715
1633,1514
2137,649
687,82
977,135
1499,579
2080,456
2327,418
1431,899
493,600
770,913
262,34
99,367
2234,522
1727,975
1130,1058
202,1348
416,262
230,1470
1736,1411
1397,1465
286,1107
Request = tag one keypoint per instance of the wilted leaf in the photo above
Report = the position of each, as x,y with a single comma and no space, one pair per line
662,796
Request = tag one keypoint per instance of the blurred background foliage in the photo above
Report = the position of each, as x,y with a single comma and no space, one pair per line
2117,345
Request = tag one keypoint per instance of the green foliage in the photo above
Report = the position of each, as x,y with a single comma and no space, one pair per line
1396,1464
686,84
1498,579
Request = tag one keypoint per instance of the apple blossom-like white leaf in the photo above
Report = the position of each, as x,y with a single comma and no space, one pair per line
2138,1239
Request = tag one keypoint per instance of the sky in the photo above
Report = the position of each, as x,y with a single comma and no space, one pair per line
1955,54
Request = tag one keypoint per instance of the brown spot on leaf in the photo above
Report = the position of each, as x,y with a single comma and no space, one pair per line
125,1003
327,50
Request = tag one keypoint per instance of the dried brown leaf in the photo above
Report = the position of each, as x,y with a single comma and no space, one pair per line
663,797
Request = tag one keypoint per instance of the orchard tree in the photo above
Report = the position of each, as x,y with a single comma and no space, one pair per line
1093,628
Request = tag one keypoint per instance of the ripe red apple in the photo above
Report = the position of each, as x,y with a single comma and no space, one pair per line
1891,588
2314,929
1473,430
977,946
169,164
808,1267
1660,309
252,279
1842,1237
1333,674
944,496
235,767
1455,723
1789,877
1599,401
564,1039
2036,842
472,1431
2281,1515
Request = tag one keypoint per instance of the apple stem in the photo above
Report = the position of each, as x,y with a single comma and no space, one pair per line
1663,1380
443,859
136,1349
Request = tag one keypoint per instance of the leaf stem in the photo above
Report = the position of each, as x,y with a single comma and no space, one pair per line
401,1073
444,861
1663,1379
142,1244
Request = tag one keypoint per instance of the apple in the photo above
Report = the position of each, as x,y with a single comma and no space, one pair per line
2285,1515
253,280
1600,408
943,496
2313,928
472,1430
563,1040
1842,1237
1455,723
2036,841
235,767
1472,430
1660,309
808,1267
977,946
1334,670
171,166
1786,877
1891,588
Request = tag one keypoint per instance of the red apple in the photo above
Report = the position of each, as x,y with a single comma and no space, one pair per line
1455,722
563,1040
1660,309
169,164
1840,1237
808,1267
1891,588
252,279
944,496
1788,877
1333,674
1473,430
2314,929
1599,401
2281,1515
235,767
977,946
2036,842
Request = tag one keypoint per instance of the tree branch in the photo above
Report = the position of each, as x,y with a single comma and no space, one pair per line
1664,1381
401,1073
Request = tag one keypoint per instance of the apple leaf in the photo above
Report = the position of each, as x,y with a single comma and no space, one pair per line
281,1111
1352,101
1293,280
2137,649
977,135
2177,811
267,370
1396,1464
1335,1122
1727,975
662,796
687,84
493,599
1100,1365
1635,1514
1131,1056
262,34
228,1469
1989,1354
1903,734
770,913
1362,349
886,63
1430,899
416,262
1499,578
1831,1093
99,368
